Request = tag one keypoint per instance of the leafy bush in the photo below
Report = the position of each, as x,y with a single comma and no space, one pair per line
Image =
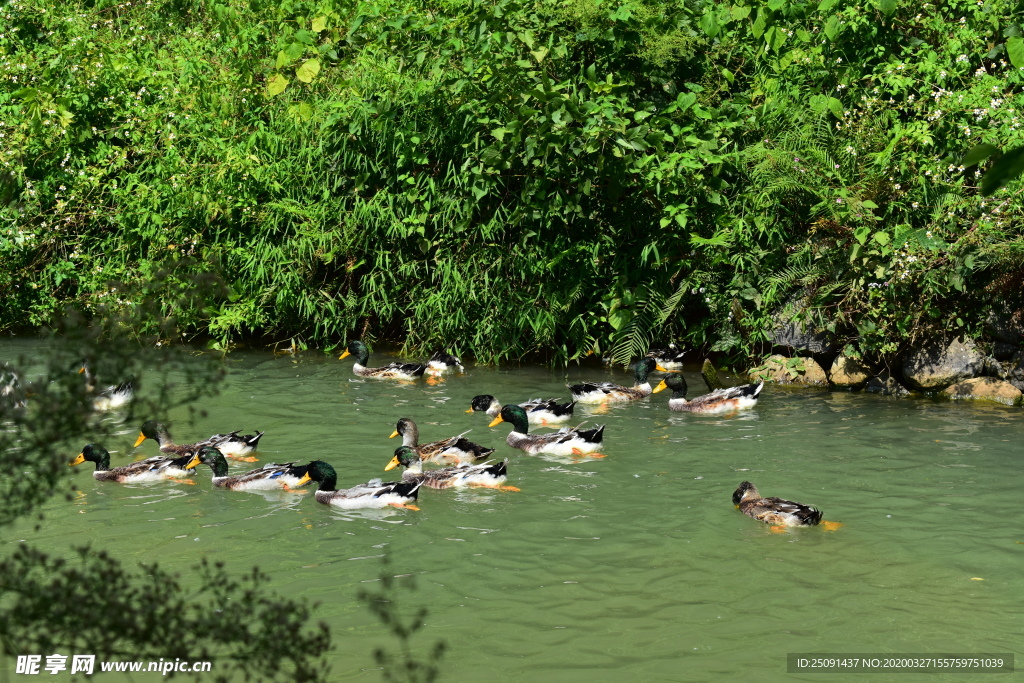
512,177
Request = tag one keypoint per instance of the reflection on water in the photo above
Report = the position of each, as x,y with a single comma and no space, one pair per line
635,566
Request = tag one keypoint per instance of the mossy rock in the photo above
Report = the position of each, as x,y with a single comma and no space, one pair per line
781,370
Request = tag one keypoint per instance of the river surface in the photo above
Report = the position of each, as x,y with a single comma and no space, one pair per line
635,567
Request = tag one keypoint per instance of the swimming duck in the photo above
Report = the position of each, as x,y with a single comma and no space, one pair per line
776,511
669,357
232,445
111,398
565,441
484,474
442,361
372,494
538,411
12,393
287,475
390,371
151,469
451,451
608,392
718,401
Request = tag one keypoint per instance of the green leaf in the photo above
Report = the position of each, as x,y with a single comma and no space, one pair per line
868,204
709,24
1008,167
739,12
760,23
832,27
836,107
978,154
882,238
319,24
539,54
826,5
885,6
308,71
775,4
276,85
728,75
1015,48
685,100
304,36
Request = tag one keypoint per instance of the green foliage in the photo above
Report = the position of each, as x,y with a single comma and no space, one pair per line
506,177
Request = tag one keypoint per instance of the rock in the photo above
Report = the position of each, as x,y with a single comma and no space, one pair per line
1005,324
1011,370
937,365
1003,351
848,372
885,384
710,376
792,334
782,370
988,388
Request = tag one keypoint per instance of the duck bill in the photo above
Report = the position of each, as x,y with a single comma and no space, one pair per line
192,463
496,421
138,441
657,366
661,386
470,410
78,460
393,464
393,434
81,370
344,355
305,480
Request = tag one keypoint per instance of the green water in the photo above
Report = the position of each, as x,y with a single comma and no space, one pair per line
632,567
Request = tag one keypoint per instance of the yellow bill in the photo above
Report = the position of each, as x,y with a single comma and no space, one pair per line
81,370
661,387
138,441
657,366
496,421
78,460
393,434
193,462
344,355
470,410
305,480
393,464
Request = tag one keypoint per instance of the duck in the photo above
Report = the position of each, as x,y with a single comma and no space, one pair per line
608,392
566,441
12,394
231,445
285,475
778,512
718,401
442,361
391,371
669,357
111,398
372,494
452,451
151,469
538,411
485,474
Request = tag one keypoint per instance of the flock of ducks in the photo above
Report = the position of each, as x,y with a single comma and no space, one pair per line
461,462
